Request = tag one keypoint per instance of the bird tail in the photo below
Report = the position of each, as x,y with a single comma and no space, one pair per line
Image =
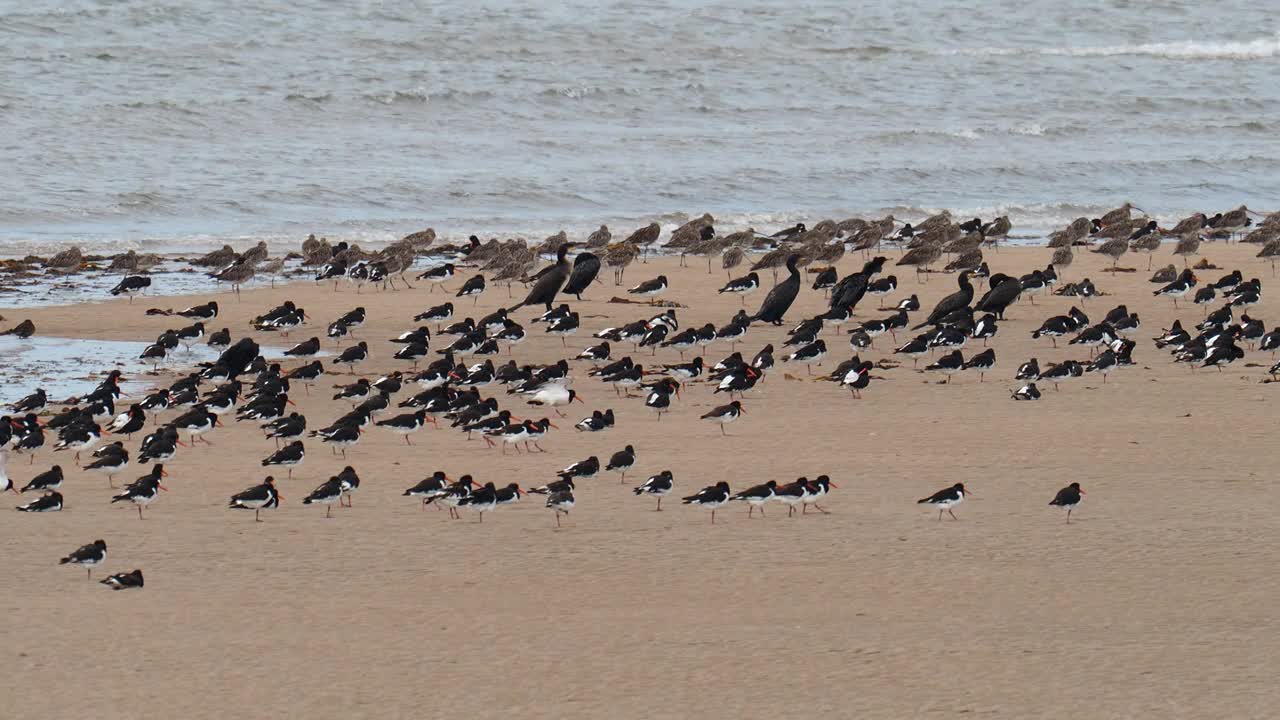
64,561
1035,334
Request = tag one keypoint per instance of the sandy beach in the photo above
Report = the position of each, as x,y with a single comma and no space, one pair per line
1151,603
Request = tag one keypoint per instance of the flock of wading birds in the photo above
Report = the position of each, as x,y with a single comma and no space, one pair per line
449,389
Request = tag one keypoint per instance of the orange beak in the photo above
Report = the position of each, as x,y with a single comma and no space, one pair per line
162,487
553,425
292,403
833,484
579,399
217,422
164,473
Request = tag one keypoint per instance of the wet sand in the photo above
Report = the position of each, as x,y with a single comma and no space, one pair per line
1156,600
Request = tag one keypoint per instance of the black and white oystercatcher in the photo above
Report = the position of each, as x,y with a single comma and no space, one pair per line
946,499
257,498
1068,497
712,497
49,502
88,556
124,581
725,414
658,485
329,492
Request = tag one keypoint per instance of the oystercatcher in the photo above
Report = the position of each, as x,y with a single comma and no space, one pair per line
87,556
659,399
481,500
288,456
564,327
78,437
1178,288
50,479
353,355
33,403
438,314
219,340
207,311
725,414
818,488
650,288
407,424
561,502
597,422
305,348
946,499
129,422
1221,354
687,371
825,279
430,488
131,285
329,492
622,461
1068,497
948,365
742,286
712,497
159,445
914,349
455,494
793,493
438,275
810,354
985,328
882,287
657,485
197,421
1061,372
756,496
1029,370
341,437
144,490
124,581
982,362
738,381
257,498
857,378
581,470
110,459
49,502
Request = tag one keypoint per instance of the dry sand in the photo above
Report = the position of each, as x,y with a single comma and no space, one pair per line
1155,602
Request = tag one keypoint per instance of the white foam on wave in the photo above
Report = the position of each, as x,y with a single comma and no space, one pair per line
1256,49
